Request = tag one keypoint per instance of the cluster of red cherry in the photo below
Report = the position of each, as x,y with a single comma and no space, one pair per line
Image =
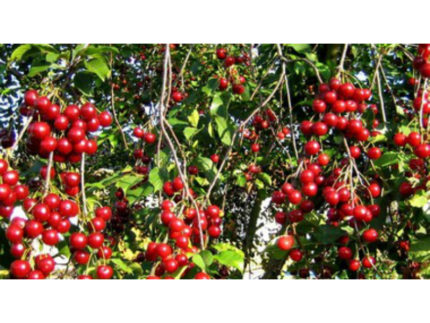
236,80
336,106
421,62
184,232
72,126
50,217
418,142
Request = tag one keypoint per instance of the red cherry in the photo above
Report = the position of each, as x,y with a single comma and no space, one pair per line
296,255
221,53
163,250
3,166
215,158
370,235
20,268
91,147
238,89
104,272
368,262
354,265
168,188
72,112
52,112
330,97
21,191
88,111
310,189
93,124
95,240
104,252
285,242
68,208
323,159
50,237
78,240
14,234
33,228
39,130
319,106
64,146
295,197
81,257
177,96
41,212
414,139
347,90
214,231
170,265
104,212
312,147
17,250
30,98
97,224
202,275
105,119
344,253
374,153
75,134
149,138
223,84
42,104
319,128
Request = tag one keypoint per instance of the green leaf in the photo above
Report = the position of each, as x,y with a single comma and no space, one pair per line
194,118
190,132
420,249
419,200
157,177
265,178
387,159
216,103
127,181
300,48
99,67
84,82
199,261
34,70
121,265
230,258
19,52
328,234
241,180
52,57
224,130
207,257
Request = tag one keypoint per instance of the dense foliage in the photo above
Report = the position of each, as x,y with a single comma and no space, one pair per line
214,161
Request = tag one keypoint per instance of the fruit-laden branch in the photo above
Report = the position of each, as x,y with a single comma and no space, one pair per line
242,124
182,174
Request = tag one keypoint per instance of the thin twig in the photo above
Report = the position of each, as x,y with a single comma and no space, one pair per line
342,59
84,197
290,107
48,174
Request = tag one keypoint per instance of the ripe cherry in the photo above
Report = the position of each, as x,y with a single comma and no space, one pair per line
370,235
312,147
78,240
344,253
20,268
285,242
50,237
104,272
